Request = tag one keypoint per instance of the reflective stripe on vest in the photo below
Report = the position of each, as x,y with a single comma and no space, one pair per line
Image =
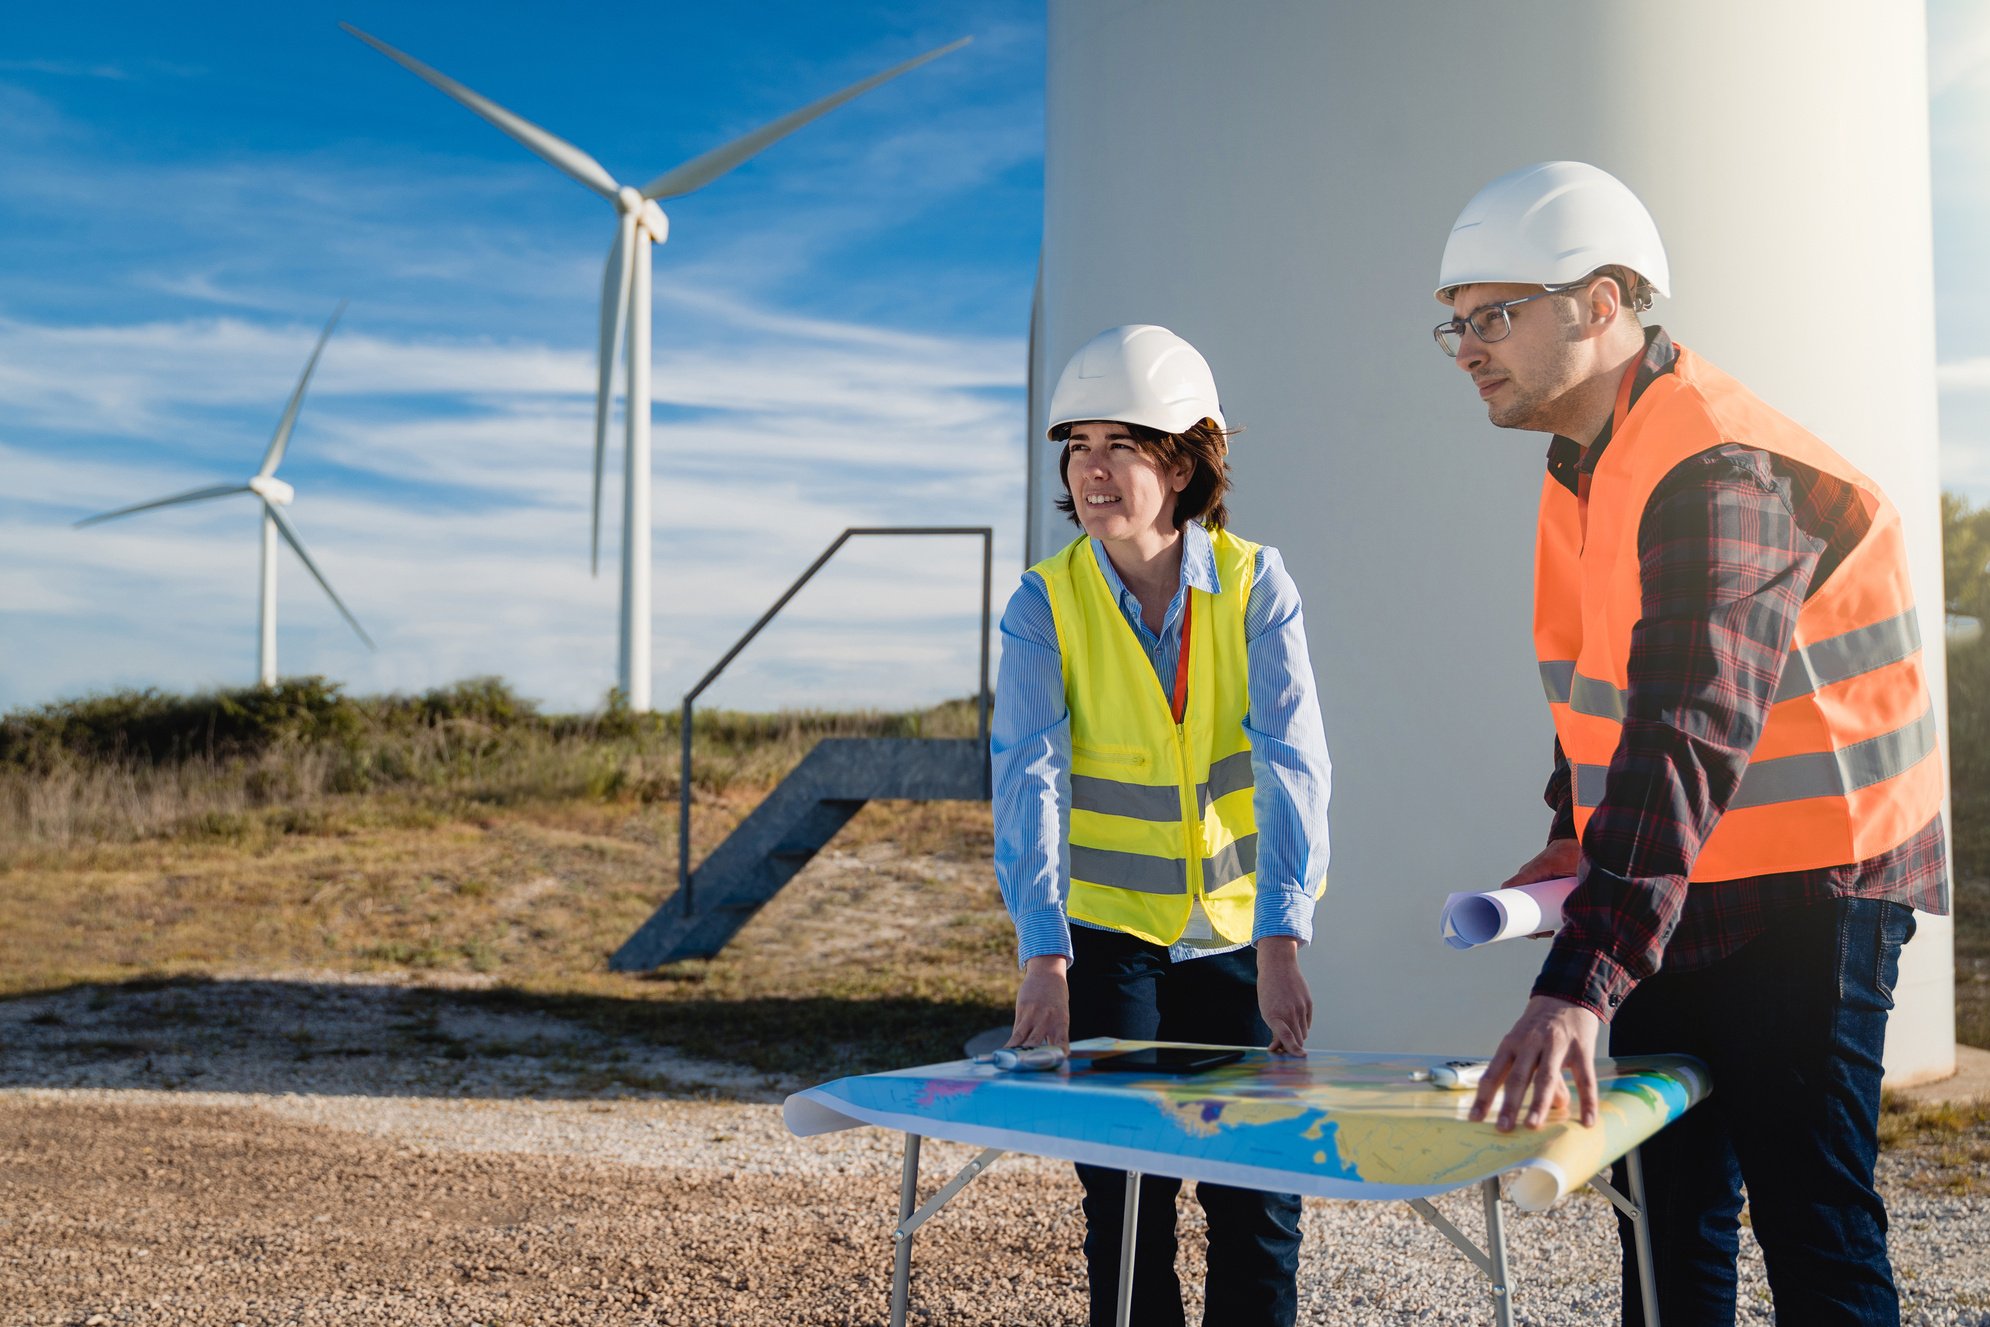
1160,815
1841,771
1161,875
1817,774
1141,801
1809,669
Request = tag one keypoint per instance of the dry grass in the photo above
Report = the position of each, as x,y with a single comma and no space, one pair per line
1954,1137
142,766
518,875
520,853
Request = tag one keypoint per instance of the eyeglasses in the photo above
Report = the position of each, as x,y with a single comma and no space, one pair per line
1490,324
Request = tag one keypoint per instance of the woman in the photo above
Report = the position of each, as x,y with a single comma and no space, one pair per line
1160,811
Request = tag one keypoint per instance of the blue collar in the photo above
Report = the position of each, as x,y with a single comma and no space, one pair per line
1198,571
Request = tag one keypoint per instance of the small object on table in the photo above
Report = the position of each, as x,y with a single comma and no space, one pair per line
1026,1059
1458,1075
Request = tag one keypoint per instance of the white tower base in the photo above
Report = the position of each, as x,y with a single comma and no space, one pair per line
1275,181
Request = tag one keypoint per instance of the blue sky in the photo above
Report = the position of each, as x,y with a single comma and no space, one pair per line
186,193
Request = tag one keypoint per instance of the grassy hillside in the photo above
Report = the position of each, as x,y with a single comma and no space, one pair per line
464,837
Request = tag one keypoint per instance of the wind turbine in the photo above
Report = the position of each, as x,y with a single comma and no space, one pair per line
274,495
626,284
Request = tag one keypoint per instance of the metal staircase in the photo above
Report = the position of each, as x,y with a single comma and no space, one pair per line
806,809
798,820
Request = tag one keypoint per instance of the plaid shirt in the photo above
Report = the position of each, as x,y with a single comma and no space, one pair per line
1729,547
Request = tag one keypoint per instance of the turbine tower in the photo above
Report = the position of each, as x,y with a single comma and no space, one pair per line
274,495
625,287
1306,280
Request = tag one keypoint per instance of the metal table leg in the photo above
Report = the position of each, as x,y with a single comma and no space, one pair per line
908,1197
1641,1232
909,1220
1496,1255
1128,1225
1490,1260
1637,1214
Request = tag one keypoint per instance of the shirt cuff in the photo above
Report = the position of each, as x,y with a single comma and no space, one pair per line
1283,910
1043,931
1564,823
1585,977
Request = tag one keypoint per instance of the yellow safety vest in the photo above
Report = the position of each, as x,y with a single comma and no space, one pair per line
1161,815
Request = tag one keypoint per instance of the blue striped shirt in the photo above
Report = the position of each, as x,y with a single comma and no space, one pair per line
1031,746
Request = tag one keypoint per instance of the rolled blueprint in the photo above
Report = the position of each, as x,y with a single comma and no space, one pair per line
1535,1186
1470,920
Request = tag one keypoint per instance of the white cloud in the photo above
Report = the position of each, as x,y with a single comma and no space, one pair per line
65,69
1964,375
807,429
1958,44
1965,425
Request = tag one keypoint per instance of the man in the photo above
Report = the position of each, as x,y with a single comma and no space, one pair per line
1745,784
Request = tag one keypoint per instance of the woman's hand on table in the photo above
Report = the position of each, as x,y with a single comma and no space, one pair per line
1283,999
1043,1004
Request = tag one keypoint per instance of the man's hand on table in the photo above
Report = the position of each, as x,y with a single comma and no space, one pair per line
1551,1035
1043,1004
1283,999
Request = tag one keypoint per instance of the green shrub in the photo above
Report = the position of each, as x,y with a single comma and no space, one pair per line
1969,755
487,701
155,728
252,765
1966,589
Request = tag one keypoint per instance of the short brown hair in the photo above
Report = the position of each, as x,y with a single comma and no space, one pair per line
1203,444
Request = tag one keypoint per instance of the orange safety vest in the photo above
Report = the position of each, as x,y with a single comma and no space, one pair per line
1846,766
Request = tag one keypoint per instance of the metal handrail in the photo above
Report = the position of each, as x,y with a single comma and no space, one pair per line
987,534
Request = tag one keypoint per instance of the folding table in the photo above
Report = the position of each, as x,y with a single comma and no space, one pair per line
1335,1125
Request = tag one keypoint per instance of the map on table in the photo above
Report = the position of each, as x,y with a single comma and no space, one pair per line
1334,1125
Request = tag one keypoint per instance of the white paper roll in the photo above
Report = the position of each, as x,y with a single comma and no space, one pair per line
1470,920
1536,1185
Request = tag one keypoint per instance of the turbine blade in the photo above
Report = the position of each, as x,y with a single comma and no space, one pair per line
552,148
701,171
192,495
274,456
289,533
614,313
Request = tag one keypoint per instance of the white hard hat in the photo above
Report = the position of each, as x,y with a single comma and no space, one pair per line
1548,224
1137,374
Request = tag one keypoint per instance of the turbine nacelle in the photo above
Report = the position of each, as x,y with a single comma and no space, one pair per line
272,490
652,219
639,222
649,217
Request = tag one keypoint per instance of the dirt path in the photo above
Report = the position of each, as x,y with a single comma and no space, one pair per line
310,1148
123,1211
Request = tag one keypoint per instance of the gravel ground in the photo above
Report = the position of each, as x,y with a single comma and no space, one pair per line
315,1149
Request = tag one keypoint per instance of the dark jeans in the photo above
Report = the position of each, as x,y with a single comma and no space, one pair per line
1791,1026
1123,987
